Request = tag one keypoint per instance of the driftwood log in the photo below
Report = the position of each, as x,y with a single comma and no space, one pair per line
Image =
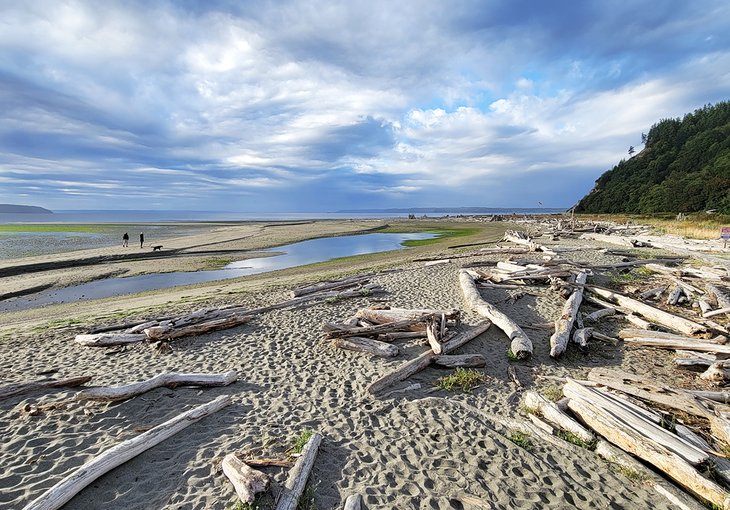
460,360
172,332
563,326
672,344
297,479
552,414
421,362
17,389
106,339
247,481
353,502
405,314
368,345
58,495
344,283
649,312
168,380
520,343
675,466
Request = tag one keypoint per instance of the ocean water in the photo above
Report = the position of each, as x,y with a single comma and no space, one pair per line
142,217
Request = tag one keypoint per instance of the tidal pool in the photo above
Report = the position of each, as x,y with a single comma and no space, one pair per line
296,254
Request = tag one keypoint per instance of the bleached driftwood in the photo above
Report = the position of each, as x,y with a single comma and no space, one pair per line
674,296
401,335
460,360
106,339
520,343
297,479
599,314
433,335
422,361
672,344
718,372
169,380
17,389
170,333
653,293
344,283
404,314
353,502
58,495
655,314
343,331
247,481
563,326
582,335
713,313
368,345
643,446
552,414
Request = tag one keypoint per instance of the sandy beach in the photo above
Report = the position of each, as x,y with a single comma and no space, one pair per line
416,446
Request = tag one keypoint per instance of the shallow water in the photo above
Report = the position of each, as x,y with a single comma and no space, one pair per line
296,254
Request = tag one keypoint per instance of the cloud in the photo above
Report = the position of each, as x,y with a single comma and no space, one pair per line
376,104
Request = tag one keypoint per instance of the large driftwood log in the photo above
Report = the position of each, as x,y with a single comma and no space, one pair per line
297,479
460,360
172,332
334,331
654,314
344,283
671,344
169,380
404,314
421,362
670,463
63,491
362,344
637,420
563,326
17,389
520,343
106,339
552,414
247,481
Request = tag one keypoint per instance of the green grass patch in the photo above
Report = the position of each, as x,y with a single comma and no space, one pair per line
522,440
552,392
33,227
216,263
464,379
635,275
301,440
574,439
441,234
632,474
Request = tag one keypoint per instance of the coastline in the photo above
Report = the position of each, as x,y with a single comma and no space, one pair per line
422,447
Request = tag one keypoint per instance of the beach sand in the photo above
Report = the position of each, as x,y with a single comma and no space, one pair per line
419,448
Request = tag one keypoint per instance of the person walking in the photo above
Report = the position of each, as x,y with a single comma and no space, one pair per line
141,240
125,239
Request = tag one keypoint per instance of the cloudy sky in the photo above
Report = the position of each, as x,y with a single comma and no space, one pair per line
326,105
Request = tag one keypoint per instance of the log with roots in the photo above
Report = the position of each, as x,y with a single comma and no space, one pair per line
247,481
169,380
563,326
58,495
520,343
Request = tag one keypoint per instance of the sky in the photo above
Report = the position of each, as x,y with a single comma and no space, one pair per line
316,106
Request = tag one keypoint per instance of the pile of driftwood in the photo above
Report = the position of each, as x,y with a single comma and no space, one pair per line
617,406
374,330
214,319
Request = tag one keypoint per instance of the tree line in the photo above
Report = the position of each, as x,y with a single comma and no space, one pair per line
684,167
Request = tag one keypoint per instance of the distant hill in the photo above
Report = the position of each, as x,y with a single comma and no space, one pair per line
684,167
23,209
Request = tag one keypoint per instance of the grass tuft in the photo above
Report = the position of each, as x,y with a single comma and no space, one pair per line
577,441
301,440
522,440
465,379
552,392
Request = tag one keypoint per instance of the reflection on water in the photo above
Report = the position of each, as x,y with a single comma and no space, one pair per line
297,254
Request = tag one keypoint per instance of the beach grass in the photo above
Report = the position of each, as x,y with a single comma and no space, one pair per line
464,379
695,225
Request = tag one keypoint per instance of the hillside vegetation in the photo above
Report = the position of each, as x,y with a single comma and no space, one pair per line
684,167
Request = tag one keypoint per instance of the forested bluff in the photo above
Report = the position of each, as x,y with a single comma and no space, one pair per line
683,167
